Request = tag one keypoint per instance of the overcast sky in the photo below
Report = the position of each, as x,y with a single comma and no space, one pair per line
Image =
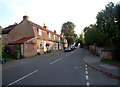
52,12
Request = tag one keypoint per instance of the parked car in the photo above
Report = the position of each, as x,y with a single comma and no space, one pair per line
72,47
67,49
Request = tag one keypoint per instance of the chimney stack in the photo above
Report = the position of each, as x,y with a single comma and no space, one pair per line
25,17
54,31
45,26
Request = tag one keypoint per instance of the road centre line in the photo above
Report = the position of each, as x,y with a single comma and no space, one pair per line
86,77
22,78
86,72
55,60
87,84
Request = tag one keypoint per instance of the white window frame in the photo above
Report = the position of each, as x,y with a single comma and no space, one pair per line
54,37
49,35
40,32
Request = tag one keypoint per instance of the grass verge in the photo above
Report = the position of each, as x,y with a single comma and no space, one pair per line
110,61
7,57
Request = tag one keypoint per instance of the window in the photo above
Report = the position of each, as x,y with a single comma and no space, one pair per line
49,35
59,38
54,37
40,32
41,44
50,44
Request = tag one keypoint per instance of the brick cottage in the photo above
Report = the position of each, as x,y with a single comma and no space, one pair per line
31,38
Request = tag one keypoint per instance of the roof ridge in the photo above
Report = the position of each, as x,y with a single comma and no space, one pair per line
38,26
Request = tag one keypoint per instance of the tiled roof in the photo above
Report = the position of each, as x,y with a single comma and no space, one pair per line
6,30
20,41
11,26
38,26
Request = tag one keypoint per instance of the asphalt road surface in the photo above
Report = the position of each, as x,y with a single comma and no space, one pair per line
66,68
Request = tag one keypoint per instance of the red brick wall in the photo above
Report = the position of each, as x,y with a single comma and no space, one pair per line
29,50
22,30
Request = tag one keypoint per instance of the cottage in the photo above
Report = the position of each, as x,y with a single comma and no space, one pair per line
31,38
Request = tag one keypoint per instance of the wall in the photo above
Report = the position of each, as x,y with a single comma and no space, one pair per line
101,52
29,50
22,30
5,38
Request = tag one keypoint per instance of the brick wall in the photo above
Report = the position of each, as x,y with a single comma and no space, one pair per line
22,30
29,50
5,38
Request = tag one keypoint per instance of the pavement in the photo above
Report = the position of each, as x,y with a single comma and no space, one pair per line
107,69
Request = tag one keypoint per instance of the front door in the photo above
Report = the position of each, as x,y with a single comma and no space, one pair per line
44,46
21,49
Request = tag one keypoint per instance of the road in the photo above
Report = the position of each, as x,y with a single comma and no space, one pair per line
66,68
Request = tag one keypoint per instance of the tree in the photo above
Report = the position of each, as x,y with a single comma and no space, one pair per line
106,22
91,35
68,32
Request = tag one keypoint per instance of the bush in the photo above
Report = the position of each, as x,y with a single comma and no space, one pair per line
5,55
22,56
38,53
110,61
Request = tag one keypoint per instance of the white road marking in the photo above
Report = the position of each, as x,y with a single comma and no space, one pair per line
86,77
87,83
86,72
55,60
22,78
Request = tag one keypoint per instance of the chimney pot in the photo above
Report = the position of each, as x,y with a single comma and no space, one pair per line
54,31
25,17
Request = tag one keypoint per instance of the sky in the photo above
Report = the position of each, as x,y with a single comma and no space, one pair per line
54,13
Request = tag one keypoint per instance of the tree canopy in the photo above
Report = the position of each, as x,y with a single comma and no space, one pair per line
68,32
106,31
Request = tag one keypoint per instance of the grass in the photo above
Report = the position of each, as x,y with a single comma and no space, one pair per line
8,57
110,61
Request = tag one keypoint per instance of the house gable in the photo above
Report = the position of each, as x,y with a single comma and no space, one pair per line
22,30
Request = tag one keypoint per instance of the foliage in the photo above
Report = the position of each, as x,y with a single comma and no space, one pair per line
110,61
81,37
5,55
69,33
3,45
91,35
107,25
78,41
38,53
106,31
